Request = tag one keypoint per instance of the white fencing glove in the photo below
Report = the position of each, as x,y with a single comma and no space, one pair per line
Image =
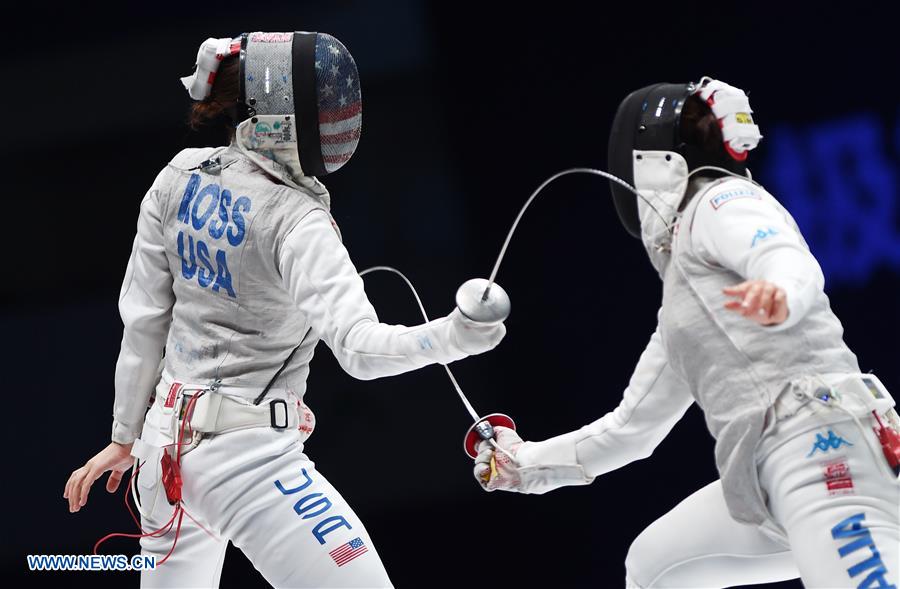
509,468
473,337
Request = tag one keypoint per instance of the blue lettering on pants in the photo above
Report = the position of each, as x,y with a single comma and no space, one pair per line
854,530
313,505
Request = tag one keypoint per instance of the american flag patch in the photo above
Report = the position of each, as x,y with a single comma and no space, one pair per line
347,552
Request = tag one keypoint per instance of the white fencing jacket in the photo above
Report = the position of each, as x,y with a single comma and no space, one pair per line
730,231
232,269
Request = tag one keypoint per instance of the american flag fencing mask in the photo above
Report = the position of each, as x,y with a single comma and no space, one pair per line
312,77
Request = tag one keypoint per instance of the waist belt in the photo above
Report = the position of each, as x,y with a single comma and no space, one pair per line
214,413
215,409
859,394
814,401
218,408
250,392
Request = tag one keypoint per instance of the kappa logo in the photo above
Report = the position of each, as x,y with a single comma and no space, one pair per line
832,442
762,234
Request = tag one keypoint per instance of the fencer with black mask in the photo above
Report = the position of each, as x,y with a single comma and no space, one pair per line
804,445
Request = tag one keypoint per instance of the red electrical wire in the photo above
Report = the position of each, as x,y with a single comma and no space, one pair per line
179,512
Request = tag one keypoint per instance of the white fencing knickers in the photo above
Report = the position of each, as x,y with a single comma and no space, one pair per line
829,490
256,488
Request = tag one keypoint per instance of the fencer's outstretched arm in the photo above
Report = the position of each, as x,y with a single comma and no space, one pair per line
317,271
145,304
753,238
655,399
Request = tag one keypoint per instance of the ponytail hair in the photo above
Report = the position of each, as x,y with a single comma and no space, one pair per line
218,111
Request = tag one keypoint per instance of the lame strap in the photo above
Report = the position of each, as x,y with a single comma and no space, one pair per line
287,360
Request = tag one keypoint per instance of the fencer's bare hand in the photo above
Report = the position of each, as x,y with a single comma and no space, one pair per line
758,300
115,458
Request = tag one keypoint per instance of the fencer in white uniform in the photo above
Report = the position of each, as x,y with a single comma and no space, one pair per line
746,331
237,272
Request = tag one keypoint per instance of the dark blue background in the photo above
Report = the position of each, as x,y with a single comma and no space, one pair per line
467,109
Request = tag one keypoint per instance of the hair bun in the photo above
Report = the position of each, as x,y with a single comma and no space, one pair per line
205,112
218,109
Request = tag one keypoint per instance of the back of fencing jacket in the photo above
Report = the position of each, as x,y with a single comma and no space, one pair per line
231,270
